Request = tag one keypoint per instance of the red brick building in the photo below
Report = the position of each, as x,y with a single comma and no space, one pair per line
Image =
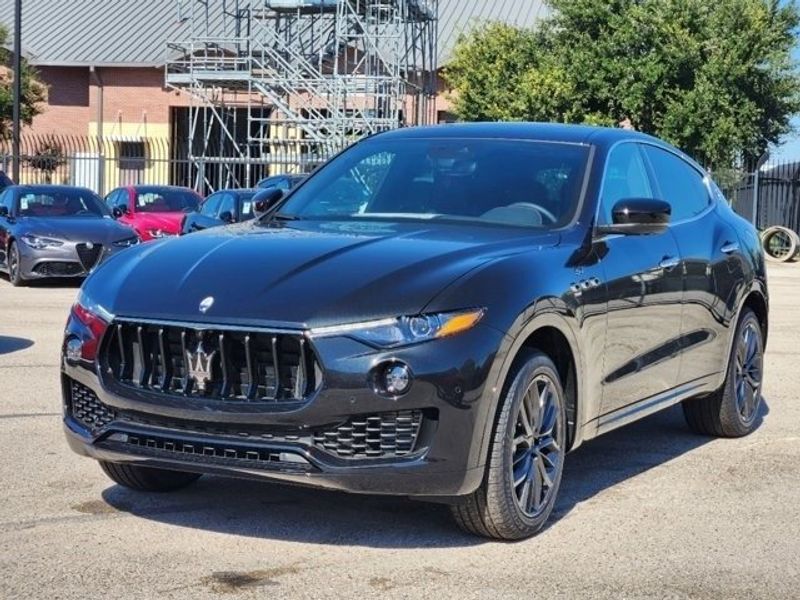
104,64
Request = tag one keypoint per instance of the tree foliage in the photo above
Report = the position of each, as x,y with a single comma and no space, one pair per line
34,92
715,77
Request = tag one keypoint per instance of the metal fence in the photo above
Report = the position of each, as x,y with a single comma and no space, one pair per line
777,200
103,164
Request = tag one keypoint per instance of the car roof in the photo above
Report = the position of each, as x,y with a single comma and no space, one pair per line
159,187
237,191
47,187
601,137
550,132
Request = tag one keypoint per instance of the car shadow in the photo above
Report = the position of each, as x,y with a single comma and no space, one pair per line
9,344
624,453
297,514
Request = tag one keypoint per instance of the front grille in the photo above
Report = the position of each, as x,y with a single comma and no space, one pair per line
89,255
86,408
215,364
384,435
58,269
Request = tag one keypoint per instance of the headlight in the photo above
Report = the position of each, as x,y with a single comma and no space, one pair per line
40,243
127,242
159,233
401,331
95,320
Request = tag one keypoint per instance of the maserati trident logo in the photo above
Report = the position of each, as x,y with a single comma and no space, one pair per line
200,363
206,303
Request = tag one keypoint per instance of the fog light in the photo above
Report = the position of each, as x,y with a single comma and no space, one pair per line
73,350
396,379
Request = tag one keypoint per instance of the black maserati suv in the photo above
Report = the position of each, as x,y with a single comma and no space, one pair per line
439,312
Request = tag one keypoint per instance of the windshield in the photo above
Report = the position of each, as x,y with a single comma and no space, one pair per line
508,182
246,206
58,202
158,200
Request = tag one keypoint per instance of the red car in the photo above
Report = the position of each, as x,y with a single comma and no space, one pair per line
154,211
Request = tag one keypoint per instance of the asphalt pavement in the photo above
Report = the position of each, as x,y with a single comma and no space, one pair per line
647,511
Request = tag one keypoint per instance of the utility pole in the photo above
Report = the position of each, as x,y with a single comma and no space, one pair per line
17,87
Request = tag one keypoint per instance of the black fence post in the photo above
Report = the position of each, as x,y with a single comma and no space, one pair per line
17,88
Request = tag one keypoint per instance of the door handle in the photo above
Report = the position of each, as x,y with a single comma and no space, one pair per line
669,262
730,247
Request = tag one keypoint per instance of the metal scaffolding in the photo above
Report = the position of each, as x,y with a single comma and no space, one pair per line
290,82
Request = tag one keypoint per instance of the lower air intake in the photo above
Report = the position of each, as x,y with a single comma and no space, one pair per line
384,435
86,408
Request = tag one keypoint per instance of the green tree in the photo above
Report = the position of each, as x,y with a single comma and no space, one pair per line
715,77
34,92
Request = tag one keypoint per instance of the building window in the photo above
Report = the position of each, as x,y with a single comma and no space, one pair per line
131,156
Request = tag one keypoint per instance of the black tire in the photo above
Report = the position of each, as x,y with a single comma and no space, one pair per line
726,412
13,264
146,479
495,510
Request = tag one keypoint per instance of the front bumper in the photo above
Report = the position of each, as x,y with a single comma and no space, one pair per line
59,261
450,389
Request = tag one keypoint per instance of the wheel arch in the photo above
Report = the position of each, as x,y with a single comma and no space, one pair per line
757,302
553,334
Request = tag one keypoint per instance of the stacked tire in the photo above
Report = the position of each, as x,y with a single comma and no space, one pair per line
781,244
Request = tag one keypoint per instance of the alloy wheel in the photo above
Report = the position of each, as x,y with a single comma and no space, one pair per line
13,262
537,448
749,371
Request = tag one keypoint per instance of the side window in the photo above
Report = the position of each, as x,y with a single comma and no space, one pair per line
678,183
210,207
626,177
228,203
5,199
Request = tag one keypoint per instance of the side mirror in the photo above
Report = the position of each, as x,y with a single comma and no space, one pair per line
264,200
226,216
4,211
119,211
638,216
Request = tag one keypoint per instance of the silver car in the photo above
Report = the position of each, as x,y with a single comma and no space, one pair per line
56,231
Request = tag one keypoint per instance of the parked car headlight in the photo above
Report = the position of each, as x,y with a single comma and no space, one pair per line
401,331
159,233
127,242
39,243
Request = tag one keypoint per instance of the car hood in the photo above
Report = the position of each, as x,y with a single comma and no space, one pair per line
307,275
75,229
166,221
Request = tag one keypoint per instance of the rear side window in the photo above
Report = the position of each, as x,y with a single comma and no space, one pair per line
678,183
